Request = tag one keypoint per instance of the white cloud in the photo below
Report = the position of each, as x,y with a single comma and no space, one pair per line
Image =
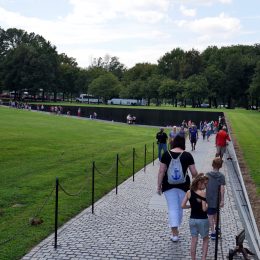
187,12
225,1
219,24
104,10
204,2
211,27
134,30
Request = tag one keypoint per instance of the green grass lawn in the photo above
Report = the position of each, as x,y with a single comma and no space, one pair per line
246,128
35,148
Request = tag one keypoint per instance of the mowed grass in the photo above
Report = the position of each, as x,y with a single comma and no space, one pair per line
246,128
35,148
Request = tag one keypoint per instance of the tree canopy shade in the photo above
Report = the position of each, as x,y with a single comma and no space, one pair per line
28,62
110,64
106,86
169,89
226,75
31,68
254,89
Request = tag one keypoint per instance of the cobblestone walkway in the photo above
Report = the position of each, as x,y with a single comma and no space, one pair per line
133,224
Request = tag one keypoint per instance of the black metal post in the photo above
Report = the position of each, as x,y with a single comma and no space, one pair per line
117,159
93,186
144,157
153,153
217,225
56,213
133,164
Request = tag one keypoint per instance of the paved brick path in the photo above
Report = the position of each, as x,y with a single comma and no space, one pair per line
133,224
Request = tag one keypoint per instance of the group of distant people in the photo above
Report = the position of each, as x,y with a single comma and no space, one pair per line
201,192
130,119
19,105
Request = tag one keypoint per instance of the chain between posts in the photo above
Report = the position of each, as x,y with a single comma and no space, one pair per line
26,225
44,203
59,185
71,194
110,170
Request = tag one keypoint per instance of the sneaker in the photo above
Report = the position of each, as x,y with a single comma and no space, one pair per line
213,236
174,238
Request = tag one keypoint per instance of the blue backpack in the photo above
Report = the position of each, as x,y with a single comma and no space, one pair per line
175,172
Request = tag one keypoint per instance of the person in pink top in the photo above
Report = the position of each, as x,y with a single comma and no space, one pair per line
221,142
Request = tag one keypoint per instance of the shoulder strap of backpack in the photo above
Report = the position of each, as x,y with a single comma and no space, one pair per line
170,153
179,156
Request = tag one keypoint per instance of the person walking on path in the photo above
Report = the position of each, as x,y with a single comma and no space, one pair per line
208,131
79,112
174,193
204,130
216,182
172,135
193,136
221,142
162,142
199,223
182,132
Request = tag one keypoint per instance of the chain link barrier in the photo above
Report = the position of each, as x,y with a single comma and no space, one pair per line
121,163
39,210
124,164
137,155
147,151
44,203
71,194
109,171
19,231
74,194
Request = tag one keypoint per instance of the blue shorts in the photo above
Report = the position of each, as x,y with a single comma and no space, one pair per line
212,211
193,140
199,226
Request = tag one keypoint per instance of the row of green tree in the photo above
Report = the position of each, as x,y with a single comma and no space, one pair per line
227,75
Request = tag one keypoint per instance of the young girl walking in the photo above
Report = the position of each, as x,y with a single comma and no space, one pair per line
199,224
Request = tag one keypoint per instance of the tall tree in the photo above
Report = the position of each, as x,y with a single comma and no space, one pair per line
27,67
169,89
195,88
110,64
105,86
68,74
28,62
216,81
234,76
140,77
191,64
254,89
170,64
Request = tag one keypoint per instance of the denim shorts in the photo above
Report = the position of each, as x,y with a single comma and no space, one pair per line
199,226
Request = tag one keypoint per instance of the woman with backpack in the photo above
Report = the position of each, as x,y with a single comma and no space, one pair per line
174,181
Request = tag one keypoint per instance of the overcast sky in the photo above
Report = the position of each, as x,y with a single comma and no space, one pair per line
134,30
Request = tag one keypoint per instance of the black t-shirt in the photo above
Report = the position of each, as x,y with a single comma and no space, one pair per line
186,160
196,206
161,137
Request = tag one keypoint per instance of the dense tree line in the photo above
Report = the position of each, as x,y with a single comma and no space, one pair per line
226,75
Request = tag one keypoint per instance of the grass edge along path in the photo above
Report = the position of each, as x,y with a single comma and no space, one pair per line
37,147
245,132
